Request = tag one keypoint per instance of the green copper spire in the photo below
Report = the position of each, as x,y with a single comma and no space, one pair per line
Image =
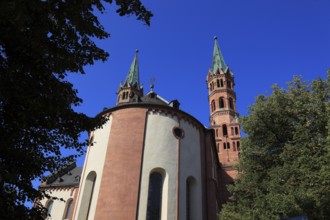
133,73
218,61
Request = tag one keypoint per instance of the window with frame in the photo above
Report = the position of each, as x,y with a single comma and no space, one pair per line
155,191
190,198
213,106
231,103
87,196
49,207
236,130
228,83
224,130
68,209
221,82
221,102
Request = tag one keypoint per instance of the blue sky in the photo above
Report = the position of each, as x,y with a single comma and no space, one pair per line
262,41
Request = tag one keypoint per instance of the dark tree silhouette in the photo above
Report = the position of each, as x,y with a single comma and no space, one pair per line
40,42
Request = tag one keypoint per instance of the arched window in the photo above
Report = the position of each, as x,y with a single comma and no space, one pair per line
191,203
221,83
213,106
68,209
238,146
218,83
221,102
228,145
224,146
87,196
224,130
236,130
234,146
231,103
212,86
49,207
154,206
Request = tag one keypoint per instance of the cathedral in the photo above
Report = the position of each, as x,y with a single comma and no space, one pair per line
151,160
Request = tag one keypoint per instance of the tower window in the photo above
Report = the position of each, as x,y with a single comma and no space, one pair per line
232,131
221,102
221,83
218,83
228,83
231,103
238,146
155,196
234,146
213,106
211,86
224,130
228,145
224,146
236,130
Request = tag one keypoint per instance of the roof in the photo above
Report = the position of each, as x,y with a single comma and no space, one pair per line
154,99
218,61
133,72
67,176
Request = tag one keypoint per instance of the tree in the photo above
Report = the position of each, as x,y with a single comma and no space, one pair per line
284,166
41,41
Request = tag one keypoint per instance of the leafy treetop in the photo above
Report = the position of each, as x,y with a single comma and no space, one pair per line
40,42
284,166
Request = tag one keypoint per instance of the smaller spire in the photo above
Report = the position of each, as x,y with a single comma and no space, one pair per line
218,61
133,73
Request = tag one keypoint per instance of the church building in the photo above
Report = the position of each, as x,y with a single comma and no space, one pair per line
151,160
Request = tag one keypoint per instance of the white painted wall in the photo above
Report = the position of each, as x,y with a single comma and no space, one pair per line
190,165
94,161
58,208
160,151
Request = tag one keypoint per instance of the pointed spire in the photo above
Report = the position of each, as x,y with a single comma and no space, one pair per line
218,61
133,73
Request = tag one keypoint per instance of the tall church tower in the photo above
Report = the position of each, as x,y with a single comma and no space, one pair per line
224,116
130,91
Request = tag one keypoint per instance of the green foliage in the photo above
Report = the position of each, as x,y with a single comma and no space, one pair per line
40,42
284,165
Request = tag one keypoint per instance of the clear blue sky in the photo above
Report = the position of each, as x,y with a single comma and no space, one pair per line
263,42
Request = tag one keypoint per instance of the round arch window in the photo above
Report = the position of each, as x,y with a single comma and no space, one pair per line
178,132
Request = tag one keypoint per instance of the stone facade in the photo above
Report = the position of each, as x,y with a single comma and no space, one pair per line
153,161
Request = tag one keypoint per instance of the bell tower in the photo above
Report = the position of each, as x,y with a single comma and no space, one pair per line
130,91
224,116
